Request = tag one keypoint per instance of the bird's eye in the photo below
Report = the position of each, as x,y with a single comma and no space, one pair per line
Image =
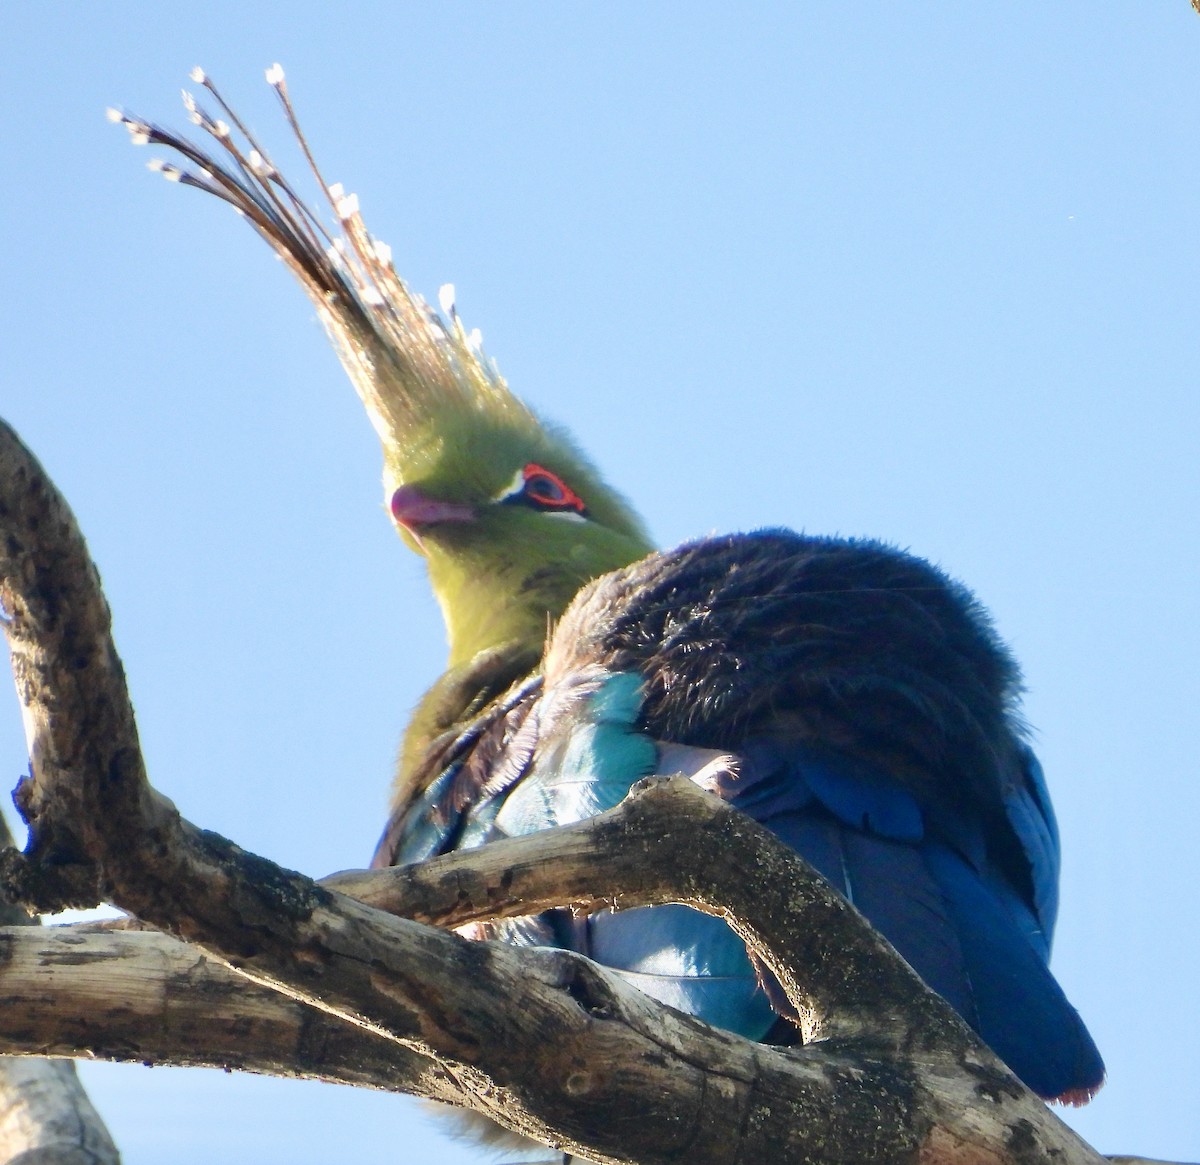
543,489
548,491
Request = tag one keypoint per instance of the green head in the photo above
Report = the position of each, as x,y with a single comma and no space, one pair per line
510,517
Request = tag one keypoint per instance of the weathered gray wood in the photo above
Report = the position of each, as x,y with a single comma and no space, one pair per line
144,997
541,1041
46,1117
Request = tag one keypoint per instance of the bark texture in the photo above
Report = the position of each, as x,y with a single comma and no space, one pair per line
46,1117
358,978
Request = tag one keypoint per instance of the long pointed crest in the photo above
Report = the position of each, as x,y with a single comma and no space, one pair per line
409,364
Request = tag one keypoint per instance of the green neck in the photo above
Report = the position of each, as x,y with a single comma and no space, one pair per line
510,586
497,621
500,598
500,605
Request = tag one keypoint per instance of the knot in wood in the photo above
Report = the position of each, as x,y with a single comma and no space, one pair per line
578,1084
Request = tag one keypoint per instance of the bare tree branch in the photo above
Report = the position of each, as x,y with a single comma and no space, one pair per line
46,1117
144,997
542,1041
842,977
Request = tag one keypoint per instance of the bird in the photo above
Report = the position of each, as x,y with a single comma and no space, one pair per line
846,694
849,695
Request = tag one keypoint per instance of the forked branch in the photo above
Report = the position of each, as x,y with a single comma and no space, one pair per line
542,1041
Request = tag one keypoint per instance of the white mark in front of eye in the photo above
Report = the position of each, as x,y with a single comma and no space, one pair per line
514,487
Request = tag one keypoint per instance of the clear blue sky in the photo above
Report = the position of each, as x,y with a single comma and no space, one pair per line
927,273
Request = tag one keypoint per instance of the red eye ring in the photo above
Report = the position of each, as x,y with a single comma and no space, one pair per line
544,489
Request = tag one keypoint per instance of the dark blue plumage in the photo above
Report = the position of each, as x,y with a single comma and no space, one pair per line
850,697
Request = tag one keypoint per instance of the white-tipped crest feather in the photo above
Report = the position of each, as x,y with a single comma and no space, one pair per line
409,365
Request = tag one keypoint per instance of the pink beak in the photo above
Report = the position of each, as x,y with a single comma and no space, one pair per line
413,510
